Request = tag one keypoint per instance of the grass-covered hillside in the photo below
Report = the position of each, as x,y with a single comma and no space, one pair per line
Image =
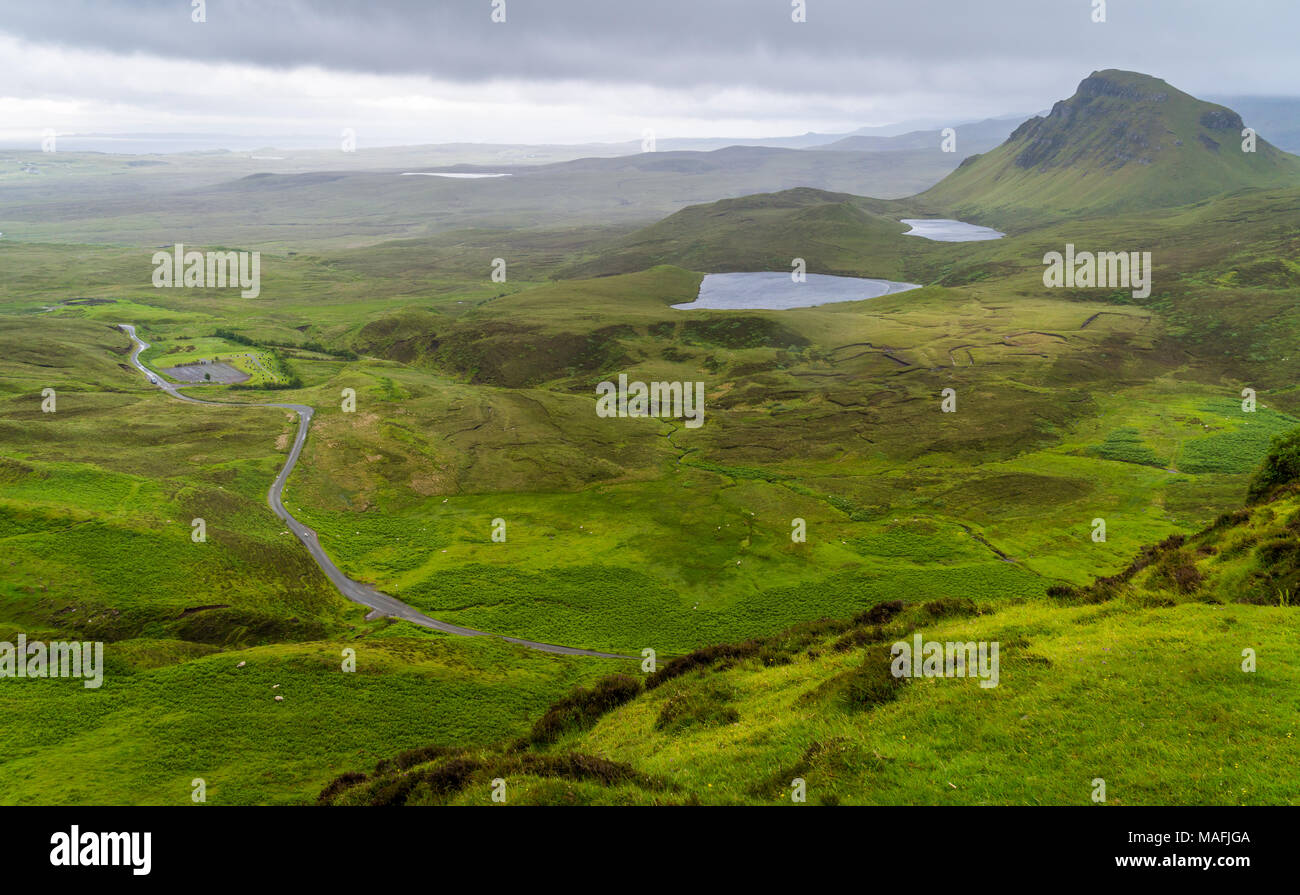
1172,681
96,504
833,232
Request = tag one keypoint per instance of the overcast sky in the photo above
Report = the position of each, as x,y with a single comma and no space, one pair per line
571,71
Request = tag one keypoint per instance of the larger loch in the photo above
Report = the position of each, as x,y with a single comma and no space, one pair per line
767,291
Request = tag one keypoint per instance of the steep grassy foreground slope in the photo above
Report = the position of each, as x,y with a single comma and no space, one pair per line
1174,682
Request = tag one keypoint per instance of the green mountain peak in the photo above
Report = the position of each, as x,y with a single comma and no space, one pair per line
1124,141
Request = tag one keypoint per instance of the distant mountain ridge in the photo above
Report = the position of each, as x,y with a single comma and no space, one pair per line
971,138
1125,141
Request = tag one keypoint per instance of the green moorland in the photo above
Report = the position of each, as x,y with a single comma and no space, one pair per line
475,401
96,504
1130,682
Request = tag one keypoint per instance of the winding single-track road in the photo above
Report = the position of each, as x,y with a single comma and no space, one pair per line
381,603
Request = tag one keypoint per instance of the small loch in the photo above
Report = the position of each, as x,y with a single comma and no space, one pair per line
774,291
949,231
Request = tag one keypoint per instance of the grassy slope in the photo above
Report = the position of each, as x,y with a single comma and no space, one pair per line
95,507
167,715
1141,684
833,233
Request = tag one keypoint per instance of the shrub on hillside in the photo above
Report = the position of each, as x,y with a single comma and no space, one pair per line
581,708
879,614
1229,520
696,706
704,657
412,757
1281,466
1177,570
945,607
235,337
339,784
859,637
872,683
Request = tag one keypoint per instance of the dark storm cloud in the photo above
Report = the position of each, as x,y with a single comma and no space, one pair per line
846,46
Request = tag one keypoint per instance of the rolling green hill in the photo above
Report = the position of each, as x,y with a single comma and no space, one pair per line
832,232
1124,142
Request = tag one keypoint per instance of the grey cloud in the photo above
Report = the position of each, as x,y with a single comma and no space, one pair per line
846,46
